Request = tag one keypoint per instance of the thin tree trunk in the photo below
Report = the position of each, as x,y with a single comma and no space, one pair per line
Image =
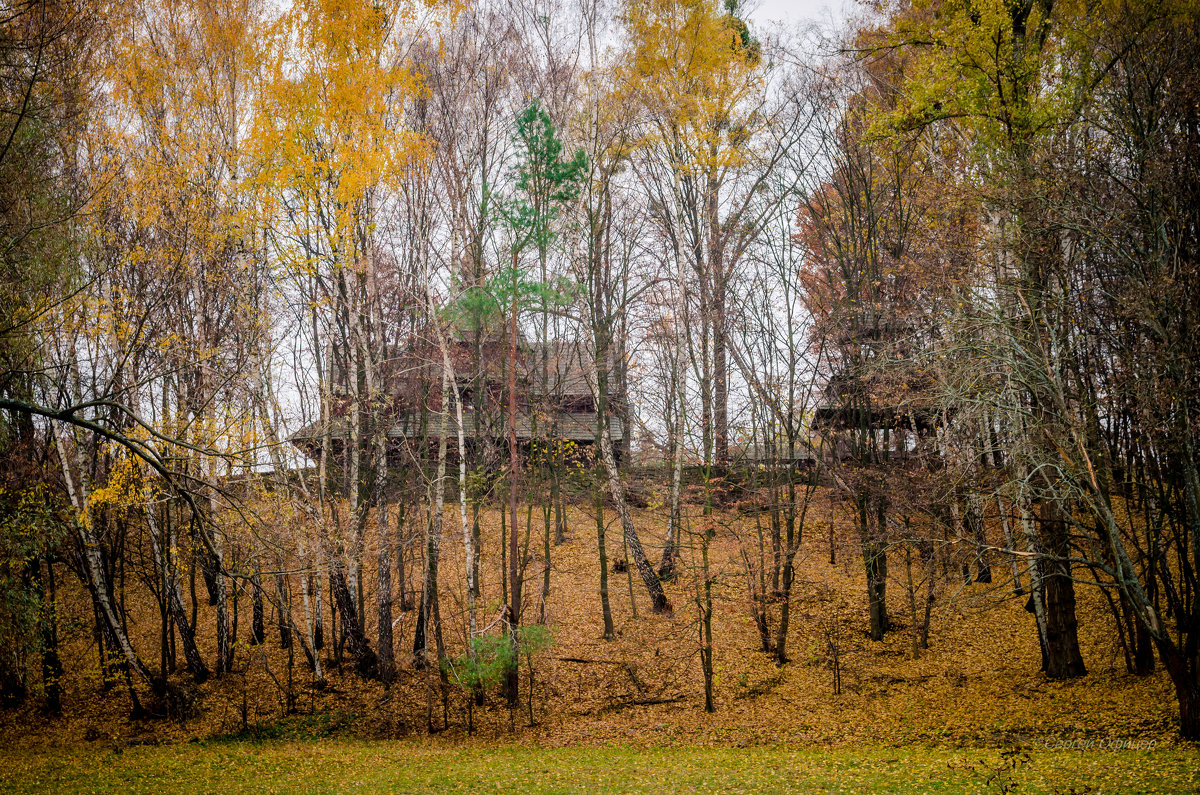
383,596
187,635
658,599
283,607
1008,540
52,668
312,614
97,577
666,567
605,608
514,567
258,630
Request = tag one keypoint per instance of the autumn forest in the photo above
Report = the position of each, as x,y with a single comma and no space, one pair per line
630,385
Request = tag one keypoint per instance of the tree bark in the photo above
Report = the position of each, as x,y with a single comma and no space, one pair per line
1063,659
383,596
658,599
187,635
514,567
355,639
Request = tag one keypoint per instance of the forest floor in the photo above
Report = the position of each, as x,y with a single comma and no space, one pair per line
381,766
967,709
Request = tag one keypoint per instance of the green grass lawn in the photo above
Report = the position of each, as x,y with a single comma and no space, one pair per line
357,766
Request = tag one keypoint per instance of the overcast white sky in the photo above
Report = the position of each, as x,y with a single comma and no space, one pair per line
798,10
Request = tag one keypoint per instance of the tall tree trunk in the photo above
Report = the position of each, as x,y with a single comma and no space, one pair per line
705,601
224,645
430,614
720,367
601,401
450,384
1181,665
870,521
514,567
469,553
1063,659
402,544
599,381
795,534
605,607
666,568
52,668
383,596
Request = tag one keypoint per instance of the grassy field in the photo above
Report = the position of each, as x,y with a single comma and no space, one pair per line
359,766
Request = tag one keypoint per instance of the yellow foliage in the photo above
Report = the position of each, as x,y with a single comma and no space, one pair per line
125,487
693,76
326,129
